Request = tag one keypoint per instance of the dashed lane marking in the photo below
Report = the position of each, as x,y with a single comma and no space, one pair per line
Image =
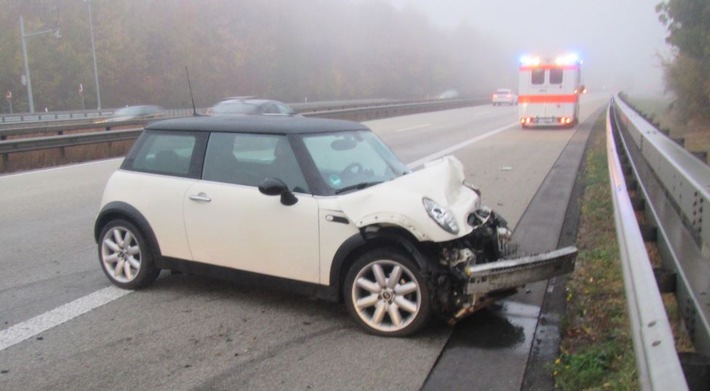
460,145
40,323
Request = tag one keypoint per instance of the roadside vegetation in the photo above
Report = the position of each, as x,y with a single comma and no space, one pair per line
686,72
283,49
596,352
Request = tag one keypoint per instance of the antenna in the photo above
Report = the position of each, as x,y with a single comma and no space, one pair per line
194,110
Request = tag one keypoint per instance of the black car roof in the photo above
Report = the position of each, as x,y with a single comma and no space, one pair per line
256,124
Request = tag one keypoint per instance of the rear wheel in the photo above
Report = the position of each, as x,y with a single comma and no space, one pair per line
125,256
386,294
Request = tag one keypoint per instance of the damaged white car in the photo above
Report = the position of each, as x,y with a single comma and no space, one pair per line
319,205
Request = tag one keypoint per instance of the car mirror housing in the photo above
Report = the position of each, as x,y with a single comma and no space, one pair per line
277,187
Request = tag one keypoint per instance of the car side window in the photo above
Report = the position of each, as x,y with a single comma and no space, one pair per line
283,109
270,108
168,153
248,159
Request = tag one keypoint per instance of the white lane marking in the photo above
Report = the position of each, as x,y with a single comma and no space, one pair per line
413,128
458,146
40,323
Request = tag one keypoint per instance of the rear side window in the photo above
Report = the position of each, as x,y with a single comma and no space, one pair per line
247,159
168,153
556,76
538,76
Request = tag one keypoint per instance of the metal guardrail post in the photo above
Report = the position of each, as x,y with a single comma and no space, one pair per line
657,361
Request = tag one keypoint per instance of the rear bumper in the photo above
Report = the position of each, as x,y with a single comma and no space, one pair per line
531,122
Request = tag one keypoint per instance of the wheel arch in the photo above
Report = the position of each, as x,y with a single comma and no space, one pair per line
121,210
369,238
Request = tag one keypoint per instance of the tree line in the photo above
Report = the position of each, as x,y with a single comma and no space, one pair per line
687,73
282,49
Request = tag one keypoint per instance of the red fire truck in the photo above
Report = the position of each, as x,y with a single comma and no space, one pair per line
549,91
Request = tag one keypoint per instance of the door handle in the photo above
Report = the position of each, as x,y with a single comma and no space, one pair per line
201,197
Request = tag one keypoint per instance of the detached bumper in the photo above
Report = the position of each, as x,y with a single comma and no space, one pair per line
515,273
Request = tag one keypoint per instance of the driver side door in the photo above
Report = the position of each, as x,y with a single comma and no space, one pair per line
230,223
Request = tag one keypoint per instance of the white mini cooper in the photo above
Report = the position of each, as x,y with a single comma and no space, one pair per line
322,203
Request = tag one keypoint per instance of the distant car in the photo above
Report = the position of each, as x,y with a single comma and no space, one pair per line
251,106
130,113
449,94
504,96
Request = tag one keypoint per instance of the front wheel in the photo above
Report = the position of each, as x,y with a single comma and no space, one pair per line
125,256
386,294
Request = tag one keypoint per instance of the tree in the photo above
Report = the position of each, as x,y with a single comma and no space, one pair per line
281,49
688,23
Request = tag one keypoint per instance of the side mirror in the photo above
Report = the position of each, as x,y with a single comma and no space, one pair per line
277,187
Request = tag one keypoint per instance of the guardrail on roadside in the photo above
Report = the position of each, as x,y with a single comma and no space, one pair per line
31,119
355,112
656,358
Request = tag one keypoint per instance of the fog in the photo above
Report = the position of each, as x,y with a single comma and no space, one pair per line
620,42
316,49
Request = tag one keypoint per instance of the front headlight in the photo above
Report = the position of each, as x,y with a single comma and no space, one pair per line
441,215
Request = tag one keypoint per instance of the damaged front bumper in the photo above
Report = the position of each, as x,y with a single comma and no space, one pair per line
514,273
489,282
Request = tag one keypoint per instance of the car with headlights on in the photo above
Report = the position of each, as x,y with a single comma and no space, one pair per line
321,204
504,96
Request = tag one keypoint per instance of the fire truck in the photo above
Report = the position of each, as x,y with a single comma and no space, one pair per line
549,91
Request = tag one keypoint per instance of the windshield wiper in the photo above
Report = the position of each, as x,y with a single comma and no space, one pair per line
358,186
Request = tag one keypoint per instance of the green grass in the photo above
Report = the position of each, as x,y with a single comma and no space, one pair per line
596,349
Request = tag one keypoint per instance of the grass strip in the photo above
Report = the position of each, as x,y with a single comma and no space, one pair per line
596,352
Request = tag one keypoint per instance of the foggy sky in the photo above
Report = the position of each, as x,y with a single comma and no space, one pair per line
619,40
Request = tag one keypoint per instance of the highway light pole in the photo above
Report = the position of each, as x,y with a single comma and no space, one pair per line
93,52
24,54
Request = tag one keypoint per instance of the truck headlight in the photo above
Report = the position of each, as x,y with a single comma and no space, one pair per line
441,215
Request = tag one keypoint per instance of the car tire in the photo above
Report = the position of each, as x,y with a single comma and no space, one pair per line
125,256
385,307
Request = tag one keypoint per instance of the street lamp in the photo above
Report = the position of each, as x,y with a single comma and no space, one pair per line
93,52
24,54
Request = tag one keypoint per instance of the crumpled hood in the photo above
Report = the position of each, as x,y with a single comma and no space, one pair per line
399,202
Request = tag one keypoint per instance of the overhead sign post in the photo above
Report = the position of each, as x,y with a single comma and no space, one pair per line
81,94
8,98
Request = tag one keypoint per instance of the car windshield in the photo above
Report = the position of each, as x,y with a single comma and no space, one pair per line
353,160
503,92
235,107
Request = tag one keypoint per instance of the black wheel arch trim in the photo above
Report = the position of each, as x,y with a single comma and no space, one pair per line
128,212
365,240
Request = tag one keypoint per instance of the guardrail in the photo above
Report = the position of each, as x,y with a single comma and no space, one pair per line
656,358
353,111
31,119
675,187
